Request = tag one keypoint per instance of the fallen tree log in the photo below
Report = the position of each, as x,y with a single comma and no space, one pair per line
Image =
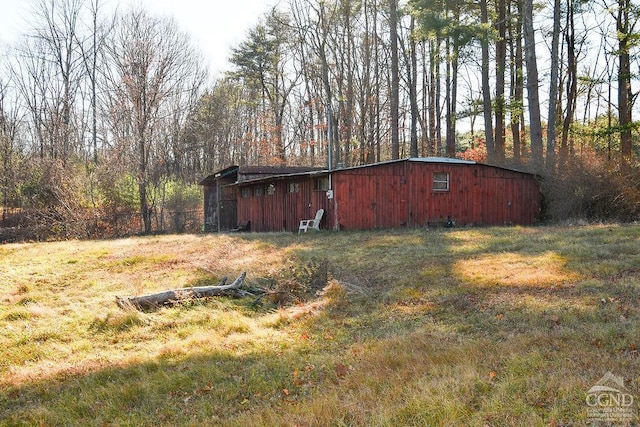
152,301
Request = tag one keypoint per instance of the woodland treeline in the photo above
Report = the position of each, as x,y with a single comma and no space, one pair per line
106,110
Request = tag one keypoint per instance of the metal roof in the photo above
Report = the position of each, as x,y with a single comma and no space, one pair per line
261,173
256,172
250,173
210,179
449,160
442,160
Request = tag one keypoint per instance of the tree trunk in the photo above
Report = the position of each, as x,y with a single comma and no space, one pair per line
566,147
535,124
413,92
517,83
553,89
434,54
152,301
395,80
624,81
452,91
486,89
350,98
501,55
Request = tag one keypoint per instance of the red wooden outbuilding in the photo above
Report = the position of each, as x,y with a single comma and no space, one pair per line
413,192
220,193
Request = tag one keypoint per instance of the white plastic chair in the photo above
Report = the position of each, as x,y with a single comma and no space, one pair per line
314,224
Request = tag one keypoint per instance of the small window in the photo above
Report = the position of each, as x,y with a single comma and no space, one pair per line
245,192
271,189
294,187
258,191
322,184
440,181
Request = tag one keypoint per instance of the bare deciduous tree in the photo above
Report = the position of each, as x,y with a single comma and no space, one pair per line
56,28
154,64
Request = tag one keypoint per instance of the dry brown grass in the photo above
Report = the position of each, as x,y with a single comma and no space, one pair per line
480,327
516,269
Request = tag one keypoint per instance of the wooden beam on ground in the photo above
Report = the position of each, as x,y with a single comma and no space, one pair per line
152,301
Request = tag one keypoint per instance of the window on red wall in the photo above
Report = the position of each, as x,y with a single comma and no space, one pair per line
440,181
321,184
293,187
245,192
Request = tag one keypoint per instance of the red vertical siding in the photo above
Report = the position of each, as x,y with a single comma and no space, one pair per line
282,210
396,194
401,194
371,197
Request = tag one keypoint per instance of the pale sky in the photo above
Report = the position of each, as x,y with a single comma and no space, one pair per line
215,26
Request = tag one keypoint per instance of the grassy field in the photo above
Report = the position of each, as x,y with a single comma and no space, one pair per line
464,327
